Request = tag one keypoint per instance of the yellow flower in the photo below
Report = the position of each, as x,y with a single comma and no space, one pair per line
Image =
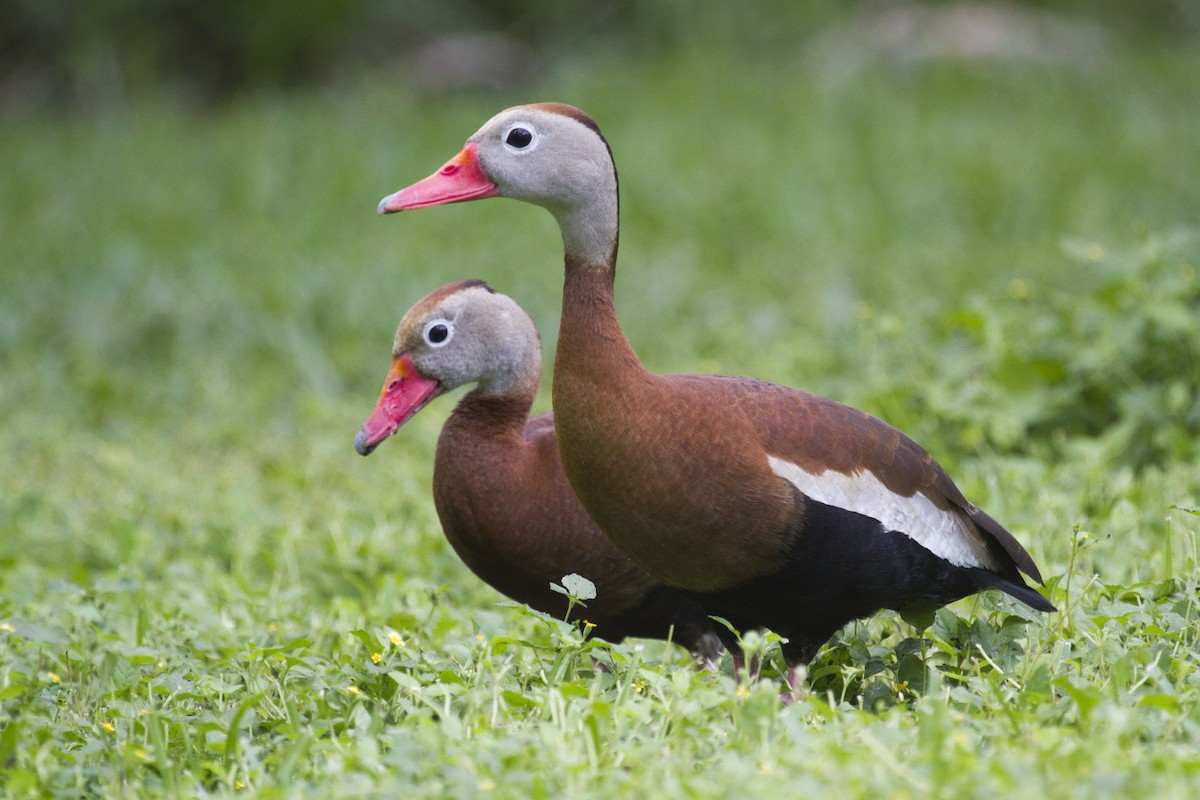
352,689
108,726
376,658
54,677
587,624
239,785
142,754
395,638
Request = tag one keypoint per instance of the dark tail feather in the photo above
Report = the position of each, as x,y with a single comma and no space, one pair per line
1026,594
1016,552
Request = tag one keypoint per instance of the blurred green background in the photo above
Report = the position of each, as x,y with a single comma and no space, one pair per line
977,220
96,52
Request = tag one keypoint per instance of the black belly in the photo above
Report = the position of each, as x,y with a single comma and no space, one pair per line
842,566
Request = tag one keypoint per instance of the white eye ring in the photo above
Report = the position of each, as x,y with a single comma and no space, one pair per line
438,332
516,133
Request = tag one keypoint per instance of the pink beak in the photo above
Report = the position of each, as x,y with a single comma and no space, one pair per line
405,392
460,179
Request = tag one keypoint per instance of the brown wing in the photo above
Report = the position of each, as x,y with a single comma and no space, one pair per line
820,435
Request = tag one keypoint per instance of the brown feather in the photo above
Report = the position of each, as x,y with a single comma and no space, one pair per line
509,513
697,478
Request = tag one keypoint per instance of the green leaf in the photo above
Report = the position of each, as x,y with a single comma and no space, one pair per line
1086,697
517,699
919,614
10,736
232,732
1160,701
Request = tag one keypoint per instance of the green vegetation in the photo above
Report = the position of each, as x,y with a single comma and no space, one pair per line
205,592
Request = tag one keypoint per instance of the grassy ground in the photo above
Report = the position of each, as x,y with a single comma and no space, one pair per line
204,591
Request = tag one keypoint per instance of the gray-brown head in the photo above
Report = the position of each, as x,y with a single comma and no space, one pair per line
548,154
462,333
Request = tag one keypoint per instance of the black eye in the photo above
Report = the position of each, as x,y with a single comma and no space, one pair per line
438,332
518,138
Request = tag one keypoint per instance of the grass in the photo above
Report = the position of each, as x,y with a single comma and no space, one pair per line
205,592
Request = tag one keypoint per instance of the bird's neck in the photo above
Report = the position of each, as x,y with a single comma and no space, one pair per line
494,415
589,217
595,365
589,232
592,348
590,339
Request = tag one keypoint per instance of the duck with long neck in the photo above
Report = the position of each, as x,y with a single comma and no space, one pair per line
772,507
498,485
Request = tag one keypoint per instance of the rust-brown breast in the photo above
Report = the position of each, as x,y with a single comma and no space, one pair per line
510,514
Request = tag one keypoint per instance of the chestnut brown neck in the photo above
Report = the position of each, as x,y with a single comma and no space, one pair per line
592,348
495,414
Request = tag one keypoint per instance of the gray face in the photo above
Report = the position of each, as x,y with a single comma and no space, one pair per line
473,335
558,163
542,157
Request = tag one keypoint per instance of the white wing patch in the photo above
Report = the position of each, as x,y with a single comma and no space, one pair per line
940,532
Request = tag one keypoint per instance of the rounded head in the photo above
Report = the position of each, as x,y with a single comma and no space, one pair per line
467,332
548,154
463,333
